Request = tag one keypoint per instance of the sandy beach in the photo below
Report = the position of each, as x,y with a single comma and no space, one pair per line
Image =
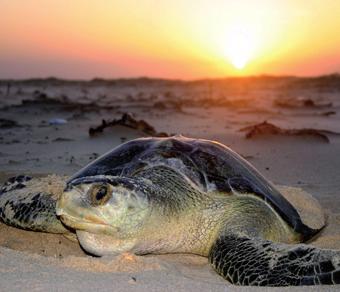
287,127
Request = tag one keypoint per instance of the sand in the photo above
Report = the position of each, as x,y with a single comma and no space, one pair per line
207,109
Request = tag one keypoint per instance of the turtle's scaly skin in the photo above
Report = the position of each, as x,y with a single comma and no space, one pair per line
180,195
246,261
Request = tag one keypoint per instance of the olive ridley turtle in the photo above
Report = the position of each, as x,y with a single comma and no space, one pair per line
178,195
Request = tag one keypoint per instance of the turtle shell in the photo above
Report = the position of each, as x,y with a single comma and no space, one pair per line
210,165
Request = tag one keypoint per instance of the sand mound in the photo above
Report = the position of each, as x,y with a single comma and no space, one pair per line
307,206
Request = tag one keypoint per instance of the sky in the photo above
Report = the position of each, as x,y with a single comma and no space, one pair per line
186,39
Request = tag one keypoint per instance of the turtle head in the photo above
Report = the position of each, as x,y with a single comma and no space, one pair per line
109,205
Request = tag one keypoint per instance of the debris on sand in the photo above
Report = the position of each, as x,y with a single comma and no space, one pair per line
61,139
328,113
41,98
128,121
236,103
300,102
57,122
265,128
170,104
7,124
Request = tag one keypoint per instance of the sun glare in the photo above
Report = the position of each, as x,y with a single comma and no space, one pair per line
240,46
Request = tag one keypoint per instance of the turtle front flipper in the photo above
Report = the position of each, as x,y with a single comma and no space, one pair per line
29,203
249,261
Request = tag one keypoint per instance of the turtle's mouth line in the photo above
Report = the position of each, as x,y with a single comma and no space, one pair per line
87,225
98,227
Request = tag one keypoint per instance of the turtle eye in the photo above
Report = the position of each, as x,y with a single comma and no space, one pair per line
99,194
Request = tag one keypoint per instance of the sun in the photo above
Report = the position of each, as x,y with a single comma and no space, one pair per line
240,46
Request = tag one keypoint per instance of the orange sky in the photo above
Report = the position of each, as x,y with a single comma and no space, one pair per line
171,39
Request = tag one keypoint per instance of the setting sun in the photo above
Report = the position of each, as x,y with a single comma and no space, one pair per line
184,39
240,46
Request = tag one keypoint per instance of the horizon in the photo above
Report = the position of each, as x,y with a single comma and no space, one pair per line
160,40
97,78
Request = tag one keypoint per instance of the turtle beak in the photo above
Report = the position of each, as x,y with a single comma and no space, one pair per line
75,212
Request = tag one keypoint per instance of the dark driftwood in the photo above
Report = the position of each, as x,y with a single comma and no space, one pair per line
301,103
266,128
7,124
127,121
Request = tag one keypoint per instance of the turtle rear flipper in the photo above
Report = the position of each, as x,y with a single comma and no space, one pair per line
29,203
247,261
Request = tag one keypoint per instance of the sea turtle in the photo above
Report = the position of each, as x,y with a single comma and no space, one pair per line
177,195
